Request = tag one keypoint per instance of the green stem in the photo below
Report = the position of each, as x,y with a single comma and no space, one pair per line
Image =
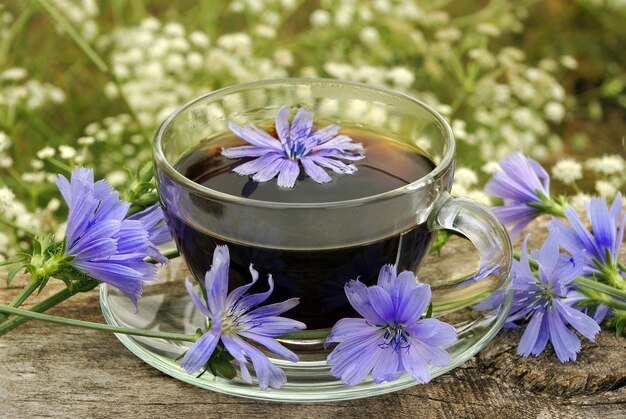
93,56
44,305
15,226
73,33
598,286
306,334
60,164
96,326
22,296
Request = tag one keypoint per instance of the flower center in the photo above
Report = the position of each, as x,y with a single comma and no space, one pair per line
395,337
296,149
231,321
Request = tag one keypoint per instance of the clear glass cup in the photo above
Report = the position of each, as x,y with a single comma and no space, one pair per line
330,227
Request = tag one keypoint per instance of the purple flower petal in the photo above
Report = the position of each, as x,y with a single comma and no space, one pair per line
314,171
268,374
297,143
216,280
282,125
358,296
243,151
388,367
413,304
548,256
288,174
301,125
231,320
391,338
434,332
198,355
254,138
584,324
271,344
415,365
258,164
566,344
269,171
274,309
529,338
197,301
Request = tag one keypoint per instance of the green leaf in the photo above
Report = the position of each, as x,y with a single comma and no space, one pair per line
429,312
14,271
223,368
42,285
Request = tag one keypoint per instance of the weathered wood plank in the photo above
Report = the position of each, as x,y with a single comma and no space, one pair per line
50,370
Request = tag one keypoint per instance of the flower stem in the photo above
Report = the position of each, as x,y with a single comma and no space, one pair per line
96,326
17,227
94,57
598,286
44,305
23,295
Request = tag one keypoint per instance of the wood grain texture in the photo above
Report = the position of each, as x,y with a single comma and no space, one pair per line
50,370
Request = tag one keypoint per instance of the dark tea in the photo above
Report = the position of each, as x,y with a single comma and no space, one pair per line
316,276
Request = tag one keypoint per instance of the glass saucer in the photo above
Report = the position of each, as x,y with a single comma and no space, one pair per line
166,306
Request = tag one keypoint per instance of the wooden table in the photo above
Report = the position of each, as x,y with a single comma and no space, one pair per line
50,370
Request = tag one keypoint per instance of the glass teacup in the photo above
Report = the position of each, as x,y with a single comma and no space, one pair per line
313,248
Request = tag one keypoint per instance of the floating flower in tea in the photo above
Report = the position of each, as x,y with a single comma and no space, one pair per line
297,144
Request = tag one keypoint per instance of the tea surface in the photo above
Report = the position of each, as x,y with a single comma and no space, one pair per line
388,164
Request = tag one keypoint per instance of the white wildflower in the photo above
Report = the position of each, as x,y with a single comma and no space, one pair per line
45,153
36,164
369,35
401,76
448,34
34,177
7,198
174,29
67,152
309,71
53,205
569,62
116,178
320,17
605,188
5,141
86,141
195,60
465,177
488,29
14,74
199,39
554,111
567,171
490,167
283,57
5,161
579,201
607,164
458,127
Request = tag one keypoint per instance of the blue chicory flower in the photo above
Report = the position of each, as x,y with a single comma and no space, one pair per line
391,338
236,316
522,181
103,242
542,299
601,249
297,145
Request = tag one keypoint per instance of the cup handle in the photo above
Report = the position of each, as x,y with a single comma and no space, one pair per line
482,228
